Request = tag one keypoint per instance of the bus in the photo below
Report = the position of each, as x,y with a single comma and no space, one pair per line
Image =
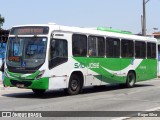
49,56
113,30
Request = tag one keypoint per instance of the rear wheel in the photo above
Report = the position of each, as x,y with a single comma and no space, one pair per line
74,86
131,79
38,91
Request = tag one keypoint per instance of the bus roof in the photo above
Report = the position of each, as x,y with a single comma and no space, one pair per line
81,30
113,30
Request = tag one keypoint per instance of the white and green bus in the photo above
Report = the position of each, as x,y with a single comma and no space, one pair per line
50,56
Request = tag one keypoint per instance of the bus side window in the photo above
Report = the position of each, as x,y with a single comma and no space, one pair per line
101,47
127,48
96,46
58,52
140,49
92,46
79,45
158,52
112,47
151,50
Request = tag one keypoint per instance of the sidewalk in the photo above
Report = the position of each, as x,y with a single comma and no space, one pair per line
1,85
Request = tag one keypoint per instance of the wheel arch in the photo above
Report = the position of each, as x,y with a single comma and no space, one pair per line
80,75
133,71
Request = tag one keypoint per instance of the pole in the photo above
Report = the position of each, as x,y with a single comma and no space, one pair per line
144,19
142,24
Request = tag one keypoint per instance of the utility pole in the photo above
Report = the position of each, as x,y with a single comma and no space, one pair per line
144,18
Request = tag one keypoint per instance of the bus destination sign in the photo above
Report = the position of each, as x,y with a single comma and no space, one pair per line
29,30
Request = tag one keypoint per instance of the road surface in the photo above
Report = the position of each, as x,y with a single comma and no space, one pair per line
144,96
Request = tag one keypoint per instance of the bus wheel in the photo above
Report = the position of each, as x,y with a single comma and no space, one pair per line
131,79
38,91
74,86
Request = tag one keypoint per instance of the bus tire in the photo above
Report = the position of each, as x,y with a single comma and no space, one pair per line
38,91
74,86
130,80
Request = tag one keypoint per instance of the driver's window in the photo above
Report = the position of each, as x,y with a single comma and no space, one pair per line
58,52
58,48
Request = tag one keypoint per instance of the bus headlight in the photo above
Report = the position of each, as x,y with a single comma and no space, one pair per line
40,74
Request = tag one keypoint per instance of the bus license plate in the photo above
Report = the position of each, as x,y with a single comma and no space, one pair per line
20,85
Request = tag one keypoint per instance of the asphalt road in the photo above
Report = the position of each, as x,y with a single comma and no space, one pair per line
144,96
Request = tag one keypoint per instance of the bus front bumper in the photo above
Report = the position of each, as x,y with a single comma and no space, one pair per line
29,84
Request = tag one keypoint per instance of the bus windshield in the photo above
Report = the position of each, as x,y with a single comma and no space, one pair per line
26,52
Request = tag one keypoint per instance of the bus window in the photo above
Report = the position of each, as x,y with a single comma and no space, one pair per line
31,49
96,46
101,46
58,52
158,52
36,48
140,49
127,48
15,47
92,46
79,45
112,47
151,50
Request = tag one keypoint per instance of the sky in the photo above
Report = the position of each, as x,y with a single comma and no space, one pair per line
118,14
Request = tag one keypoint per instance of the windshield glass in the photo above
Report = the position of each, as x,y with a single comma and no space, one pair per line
26,52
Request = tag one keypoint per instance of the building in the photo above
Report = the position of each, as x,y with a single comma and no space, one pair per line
3,40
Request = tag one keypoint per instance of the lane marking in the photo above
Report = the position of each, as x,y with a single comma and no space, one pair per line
121,118
153,109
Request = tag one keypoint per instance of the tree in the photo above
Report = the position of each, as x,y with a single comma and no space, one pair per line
2,20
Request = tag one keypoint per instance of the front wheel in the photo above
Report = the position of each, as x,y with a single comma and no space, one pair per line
131,79
38,91
74,86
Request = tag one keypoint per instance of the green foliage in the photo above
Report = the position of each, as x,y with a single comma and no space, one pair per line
2,20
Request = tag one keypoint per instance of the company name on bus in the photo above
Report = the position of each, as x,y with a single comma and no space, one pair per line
90,65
